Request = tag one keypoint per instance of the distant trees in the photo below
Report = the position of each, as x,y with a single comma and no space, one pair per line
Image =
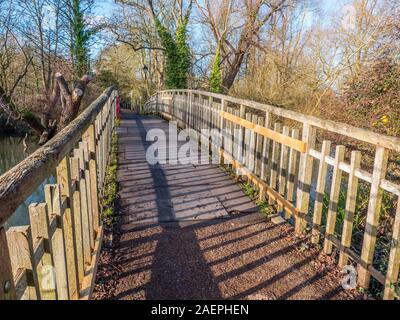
43,42
236,26
159,28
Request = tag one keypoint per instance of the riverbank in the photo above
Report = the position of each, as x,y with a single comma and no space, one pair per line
9,127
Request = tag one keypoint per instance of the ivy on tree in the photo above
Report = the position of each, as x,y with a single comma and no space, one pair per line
80,39
177,54
216,75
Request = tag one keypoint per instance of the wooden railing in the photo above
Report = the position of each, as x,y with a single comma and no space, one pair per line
257,141
55,256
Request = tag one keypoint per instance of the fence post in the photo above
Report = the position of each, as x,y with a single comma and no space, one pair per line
21,245
53,200
305,175
39,219
334,199
374,210
394,259
64,179
351,202
90,137
320,191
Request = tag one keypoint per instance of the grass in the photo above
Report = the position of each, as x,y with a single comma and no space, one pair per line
110,194
383,243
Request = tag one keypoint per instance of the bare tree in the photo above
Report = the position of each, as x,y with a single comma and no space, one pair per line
236,25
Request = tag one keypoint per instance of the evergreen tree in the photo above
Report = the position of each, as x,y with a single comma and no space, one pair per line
177,54
80,37
216,76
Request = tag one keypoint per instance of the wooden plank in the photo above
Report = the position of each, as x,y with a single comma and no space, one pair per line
229,134
247,138
65,182
77,212
392,275
360,174
351,201
320,191
94,217
53,201
240,133
305,175
283,171
265,160
275,161
7,287
86,213
21,284
293,156
21,247
259,147
334,198
298,145
374,210
39,220
221,129
87,287
252,145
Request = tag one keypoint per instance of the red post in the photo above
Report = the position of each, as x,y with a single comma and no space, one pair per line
118,108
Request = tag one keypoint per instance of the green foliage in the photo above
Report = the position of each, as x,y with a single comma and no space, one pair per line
183,53
216,76
80,39
111,185
249,190
177,54
265,209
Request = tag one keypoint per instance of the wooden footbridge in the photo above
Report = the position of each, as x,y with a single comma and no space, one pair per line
191,217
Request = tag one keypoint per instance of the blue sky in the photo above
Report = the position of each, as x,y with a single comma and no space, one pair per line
104,7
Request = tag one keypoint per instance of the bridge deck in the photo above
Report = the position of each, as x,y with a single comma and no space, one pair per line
188,232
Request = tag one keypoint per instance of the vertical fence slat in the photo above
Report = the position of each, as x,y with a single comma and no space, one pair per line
240,133
305,175
77,204
53,200
64,179
21,247
292,173
259,147
374,210
275,162
392,274
265,163
252,147
265,159
320,191
334,198
283,166
86,212
39,220
86,182
351,201
7,287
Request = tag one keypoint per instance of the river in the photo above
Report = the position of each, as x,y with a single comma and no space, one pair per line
11,153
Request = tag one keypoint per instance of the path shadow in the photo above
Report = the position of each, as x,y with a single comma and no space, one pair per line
237,258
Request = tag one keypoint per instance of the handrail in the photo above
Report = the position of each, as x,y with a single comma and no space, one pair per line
350,131
55,256
22,180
